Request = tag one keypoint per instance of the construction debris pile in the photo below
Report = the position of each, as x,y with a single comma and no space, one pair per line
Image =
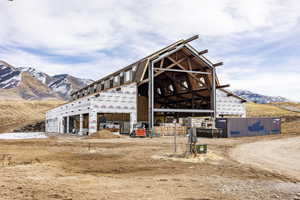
103,134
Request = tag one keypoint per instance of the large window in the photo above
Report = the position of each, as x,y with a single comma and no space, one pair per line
95,88
117,80
122,78
128,76
111,82
106,84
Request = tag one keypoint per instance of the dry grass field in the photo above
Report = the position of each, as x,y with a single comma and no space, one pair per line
17,113
293,104
267,110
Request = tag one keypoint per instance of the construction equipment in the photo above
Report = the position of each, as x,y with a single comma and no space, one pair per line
140,129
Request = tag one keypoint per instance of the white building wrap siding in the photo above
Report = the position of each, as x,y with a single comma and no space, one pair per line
121,100
229,105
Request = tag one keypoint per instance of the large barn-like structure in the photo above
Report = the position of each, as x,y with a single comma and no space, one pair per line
174,82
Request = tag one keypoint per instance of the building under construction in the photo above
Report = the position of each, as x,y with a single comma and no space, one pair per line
177,81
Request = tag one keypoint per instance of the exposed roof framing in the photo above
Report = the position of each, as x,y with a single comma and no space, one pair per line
171,59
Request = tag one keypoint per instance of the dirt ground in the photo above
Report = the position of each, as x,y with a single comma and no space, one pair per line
66,167
281,156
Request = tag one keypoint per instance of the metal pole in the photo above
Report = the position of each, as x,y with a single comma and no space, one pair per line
213,92
68,124
150,96
152,91
175,142
81,124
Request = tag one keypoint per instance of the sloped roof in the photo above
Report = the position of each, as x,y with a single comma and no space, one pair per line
141,65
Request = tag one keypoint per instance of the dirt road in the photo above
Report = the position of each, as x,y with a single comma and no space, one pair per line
74,168
281,155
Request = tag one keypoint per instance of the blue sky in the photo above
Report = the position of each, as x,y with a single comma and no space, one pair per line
258,40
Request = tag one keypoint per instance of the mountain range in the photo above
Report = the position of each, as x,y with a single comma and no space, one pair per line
259,98
31,84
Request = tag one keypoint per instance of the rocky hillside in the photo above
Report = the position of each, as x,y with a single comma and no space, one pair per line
259,98
31,84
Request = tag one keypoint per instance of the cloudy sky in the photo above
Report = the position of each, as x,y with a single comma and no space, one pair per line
258,40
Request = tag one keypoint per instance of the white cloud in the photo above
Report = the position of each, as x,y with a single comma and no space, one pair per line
231,29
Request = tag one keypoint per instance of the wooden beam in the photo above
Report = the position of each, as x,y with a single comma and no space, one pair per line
179,101
170,66
186,92
195,37
218,64
190,64
223,86
162,63
203,52
183,68
195,91
185,71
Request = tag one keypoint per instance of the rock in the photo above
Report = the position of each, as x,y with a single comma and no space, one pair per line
39,126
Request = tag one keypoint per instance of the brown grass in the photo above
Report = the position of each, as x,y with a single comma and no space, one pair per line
17,113
292,104
267,110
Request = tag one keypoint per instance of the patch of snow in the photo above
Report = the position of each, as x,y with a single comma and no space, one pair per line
35,73
15,78
21,135
62,89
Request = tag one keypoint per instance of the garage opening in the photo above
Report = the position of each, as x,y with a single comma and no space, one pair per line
114,122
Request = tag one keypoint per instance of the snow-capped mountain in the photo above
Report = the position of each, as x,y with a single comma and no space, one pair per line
41,76
259,98
10,77
29,83
65,84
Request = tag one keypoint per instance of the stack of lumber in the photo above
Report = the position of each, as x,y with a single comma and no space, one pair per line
201,122
169,129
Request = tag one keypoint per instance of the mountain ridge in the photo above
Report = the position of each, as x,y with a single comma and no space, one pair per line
31,84
259,98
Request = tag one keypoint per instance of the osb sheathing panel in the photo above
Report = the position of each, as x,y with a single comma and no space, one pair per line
142,108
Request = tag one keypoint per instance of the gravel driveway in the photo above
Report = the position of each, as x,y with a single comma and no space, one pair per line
281,155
